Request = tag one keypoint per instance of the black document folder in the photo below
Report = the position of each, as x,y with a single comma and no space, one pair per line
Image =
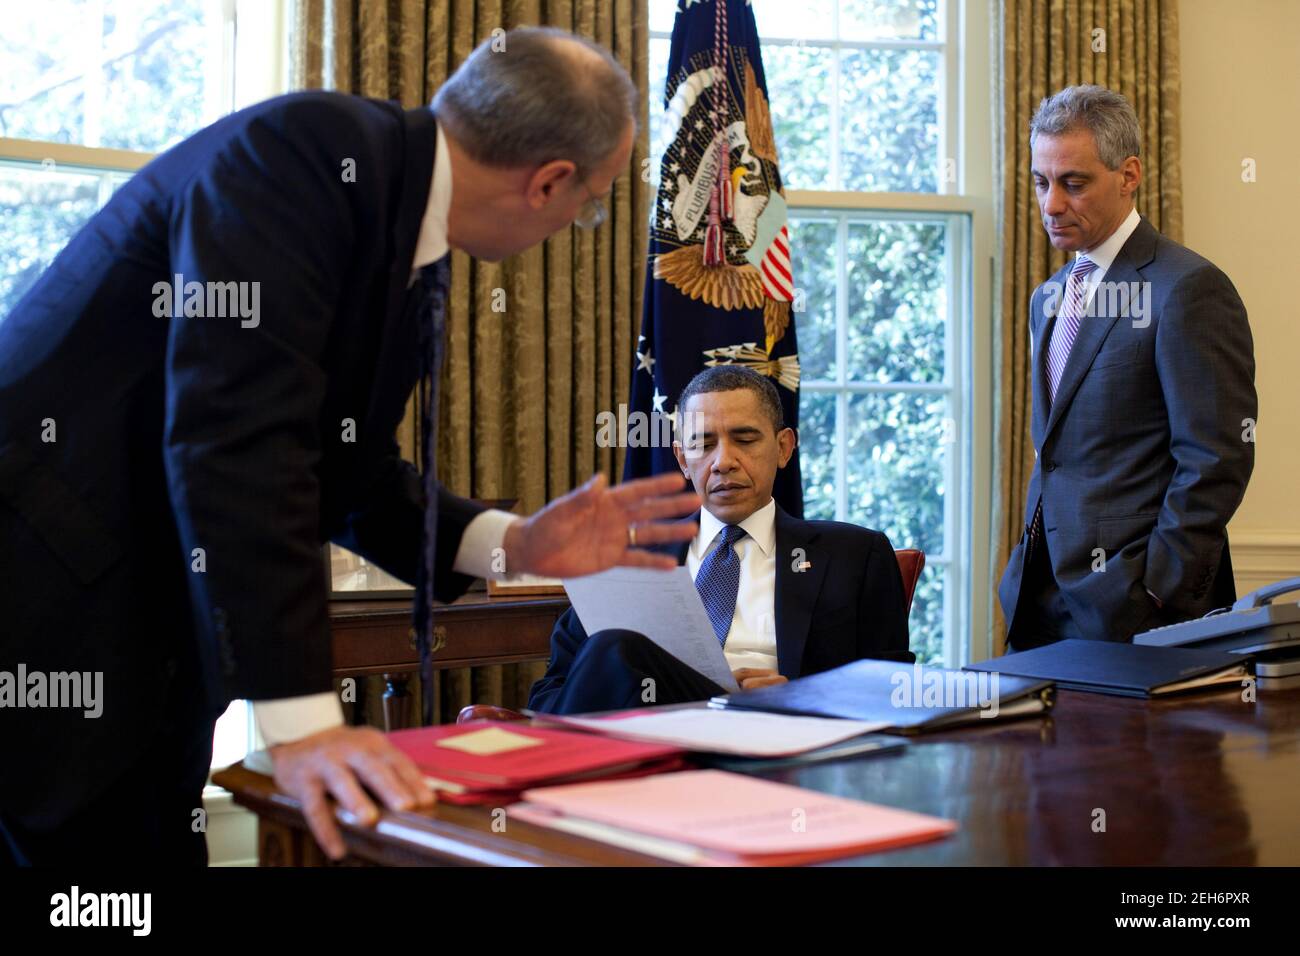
906,698
1128,670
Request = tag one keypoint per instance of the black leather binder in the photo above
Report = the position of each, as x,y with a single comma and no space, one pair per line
1128,670
906,698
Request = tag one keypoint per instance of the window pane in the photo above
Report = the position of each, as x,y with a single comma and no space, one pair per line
925,623
39,211
132,75
896,461
799,87
889,20
658,80
805,20
897,301
662,15
230,737
817,453
889,120
813,260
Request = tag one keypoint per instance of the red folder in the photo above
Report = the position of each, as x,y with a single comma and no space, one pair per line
487,761
715,818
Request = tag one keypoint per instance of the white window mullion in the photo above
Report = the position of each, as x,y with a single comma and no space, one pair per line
835,99
841,365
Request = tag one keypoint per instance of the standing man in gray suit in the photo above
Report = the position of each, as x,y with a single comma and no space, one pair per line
1144,400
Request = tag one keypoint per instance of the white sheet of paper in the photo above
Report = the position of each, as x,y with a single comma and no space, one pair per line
748,733
662,605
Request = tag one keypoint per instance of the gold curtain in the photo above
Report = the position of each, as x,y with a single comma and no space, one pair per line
1130,46
523,383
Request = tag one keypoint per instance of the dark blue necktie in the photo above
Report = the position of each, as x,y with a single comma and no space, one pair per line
430,299
718,581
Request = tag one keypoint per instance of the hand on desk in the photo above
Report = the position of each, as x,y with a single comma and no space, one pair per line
338,762
590,529
752,678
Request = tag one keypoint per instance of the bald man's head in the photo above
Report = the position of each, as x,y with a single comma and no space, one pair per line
536,94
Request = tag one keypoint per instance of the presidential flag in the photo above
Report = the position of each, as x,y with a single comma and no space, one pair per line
719,283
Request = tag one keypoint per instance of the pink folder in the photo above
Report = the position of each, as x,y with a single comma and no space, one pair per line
735,819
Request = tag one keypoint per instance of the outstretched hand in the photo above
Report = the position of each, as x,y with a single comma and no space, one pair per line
588,530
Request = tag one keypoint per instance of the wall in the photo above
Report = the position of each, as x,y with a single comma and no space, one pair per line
1241,99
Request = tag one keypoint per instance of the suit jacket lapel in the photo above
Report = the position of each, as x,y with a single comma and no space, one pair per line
396,349
1137,252
796,591
1039,371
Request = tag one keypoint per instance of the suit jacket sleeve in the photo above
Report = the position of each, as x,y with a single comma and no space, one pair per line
1205,359
387,527
241,435
566,641
882,606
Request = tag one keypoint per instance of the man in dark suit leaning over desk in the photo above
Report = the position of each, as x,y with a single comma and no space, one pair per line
786,597
1144,400
169,471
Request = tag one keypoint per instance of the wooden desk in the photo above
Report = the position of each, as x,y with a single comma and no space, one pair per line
375,637
1201,780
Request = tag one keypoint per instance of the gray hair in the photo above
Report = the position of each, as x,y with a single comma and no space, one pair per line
1104,113
537,94
729,378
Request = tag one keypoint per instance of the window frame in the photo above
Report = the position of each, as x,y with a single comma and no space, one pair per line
965,114
249,73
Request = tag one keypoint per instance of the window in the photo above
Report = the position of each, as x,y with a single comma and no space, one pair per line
865,101
880,398
90,90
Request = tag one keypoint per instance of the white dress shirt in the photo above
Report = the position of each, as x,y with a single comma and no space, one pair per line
292,718
1103,256
751,642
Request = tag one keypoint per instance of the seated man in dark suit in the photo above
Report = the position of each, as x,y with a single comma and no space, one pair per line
786,597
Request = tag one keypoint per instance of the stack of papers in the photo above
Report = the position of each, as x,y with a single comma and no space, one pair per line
711,817
492,762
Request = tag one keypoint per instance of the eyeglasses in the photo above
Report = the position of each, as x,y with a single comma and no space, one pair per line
592,213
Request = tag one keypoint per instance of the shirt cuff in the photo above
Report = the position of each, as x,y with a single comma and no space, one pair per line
481,554
292,718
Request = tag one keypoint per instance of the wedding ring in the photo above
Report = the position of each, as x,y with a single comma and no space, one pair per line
631,536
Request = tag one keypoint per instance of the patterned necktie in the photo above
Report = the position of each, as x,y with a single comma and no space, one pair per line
430,292
1067,322
718,581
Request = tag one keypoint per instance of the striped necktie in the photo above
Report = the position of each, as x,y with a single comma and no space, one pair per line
1068,322
718,581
